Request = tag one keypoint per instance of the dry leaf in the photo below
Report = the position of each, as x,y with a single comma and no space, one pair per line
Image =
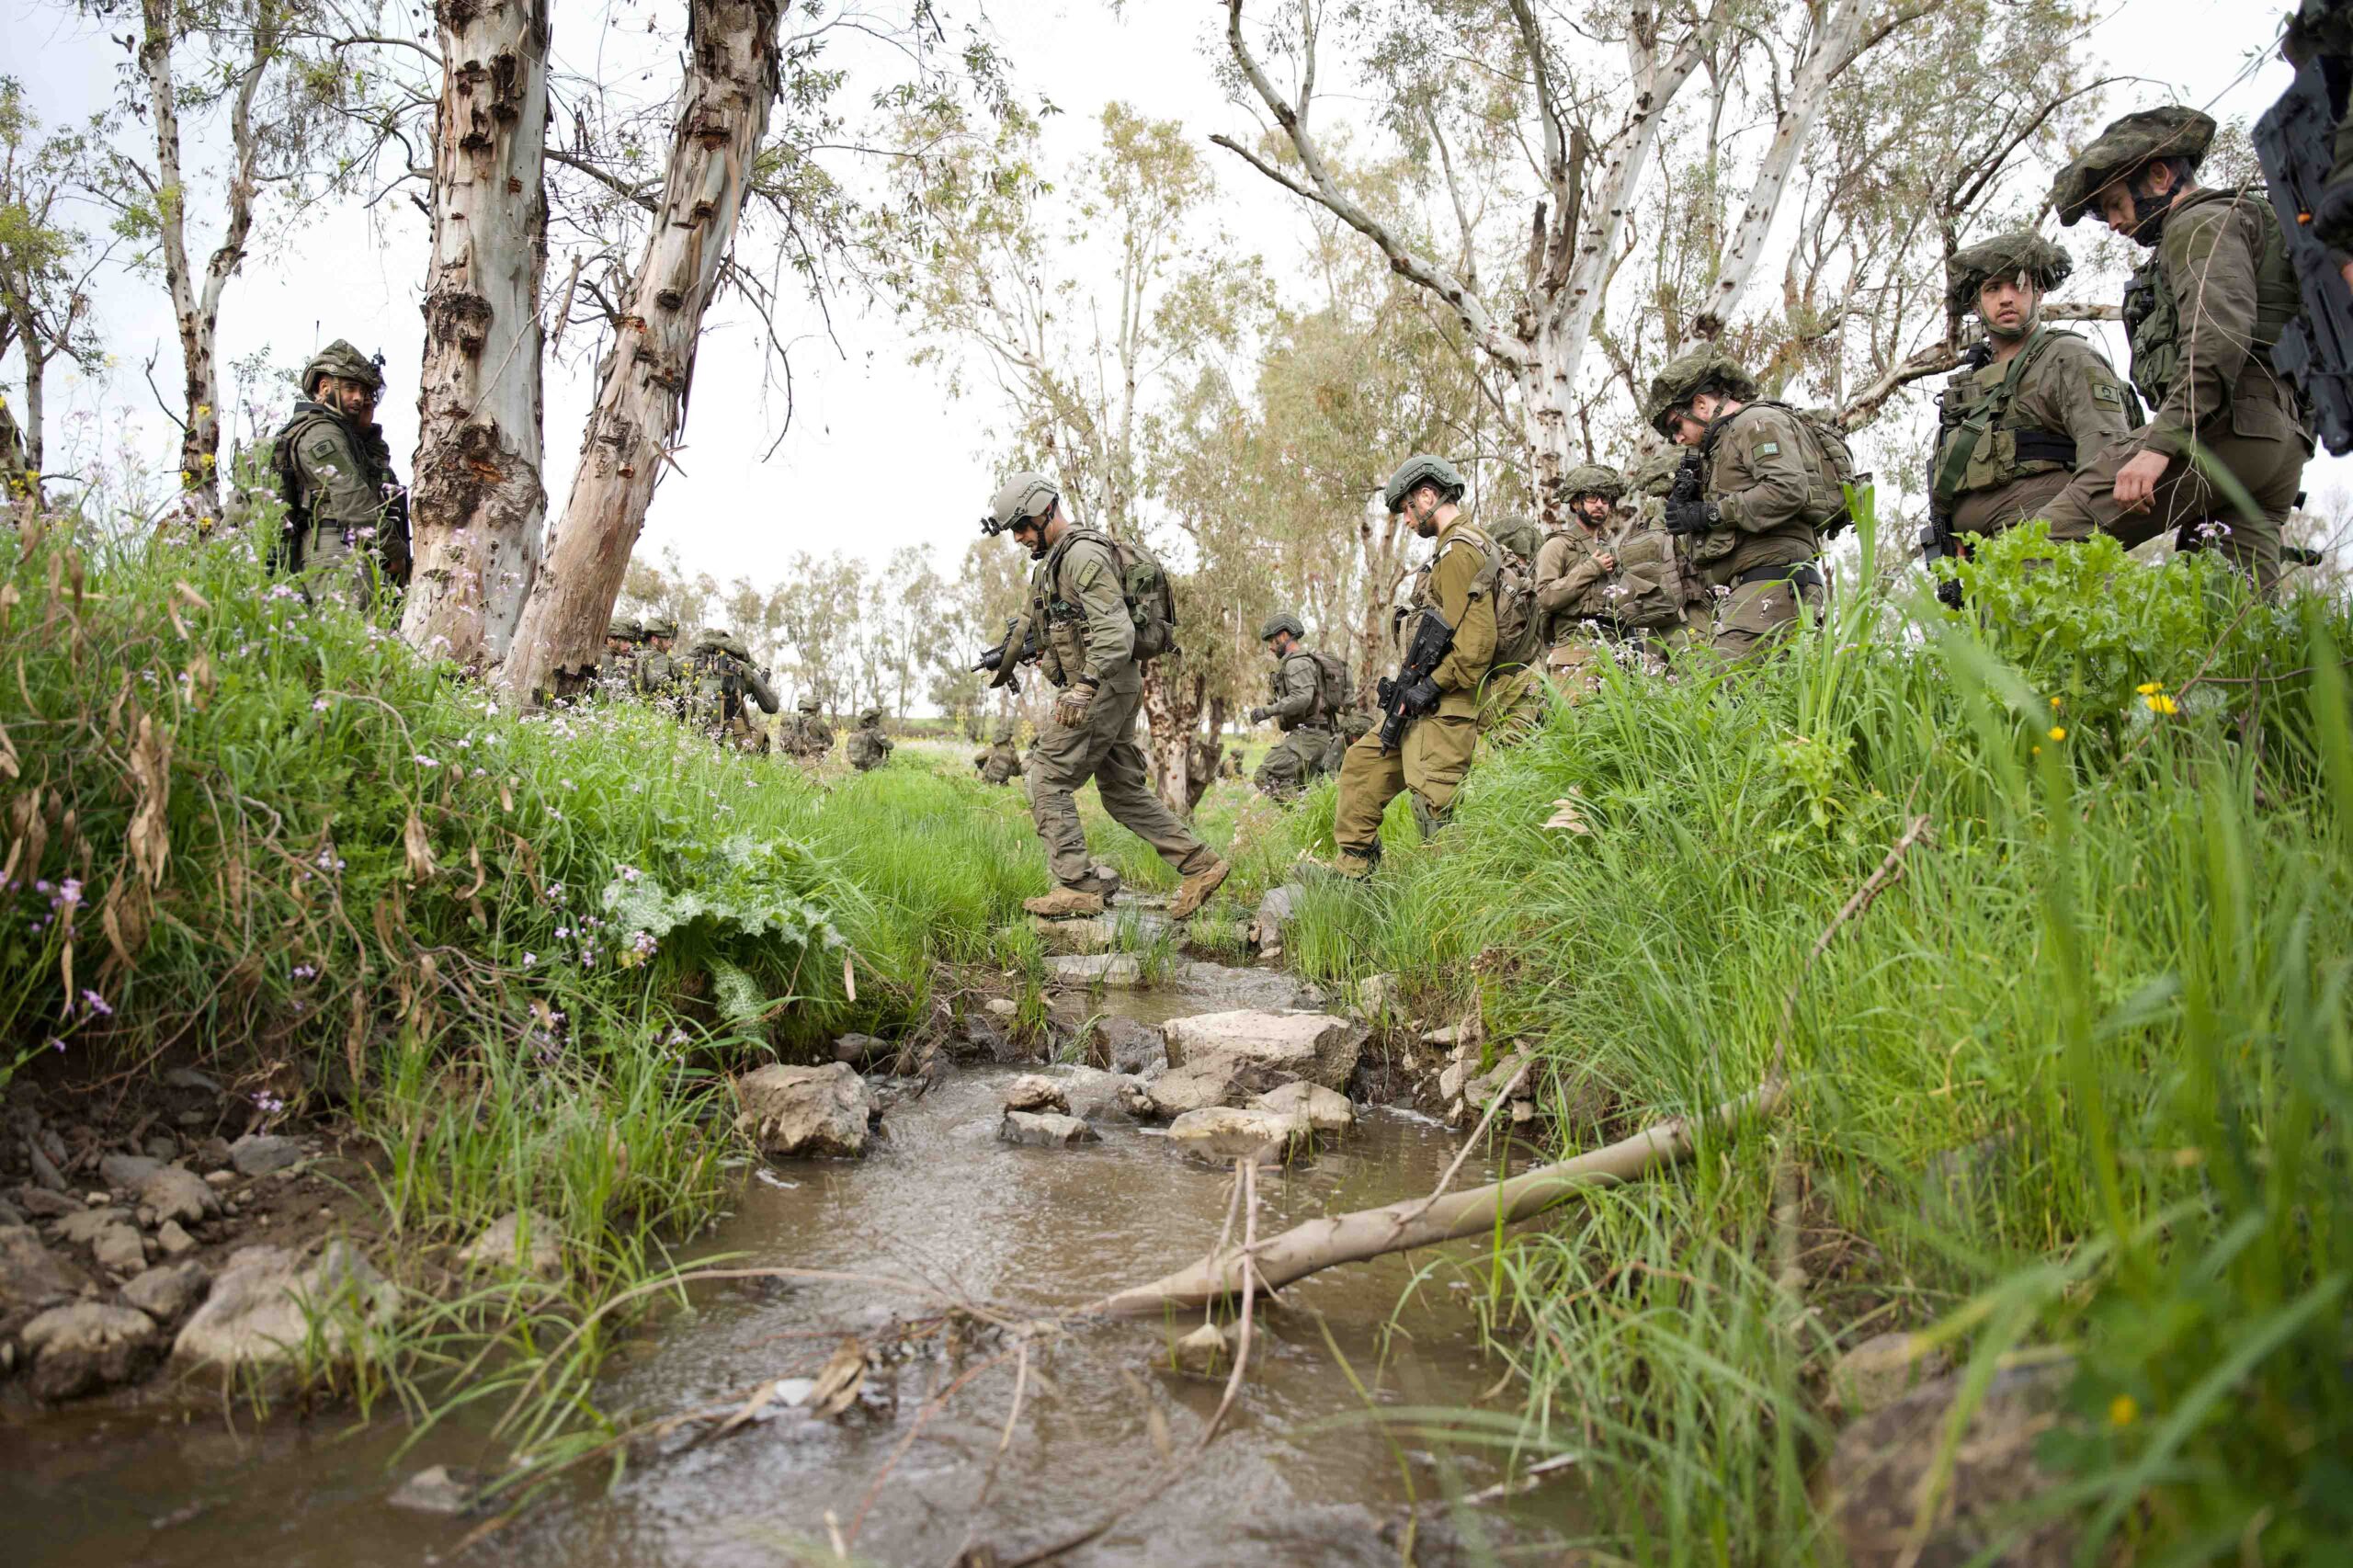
200,680
1567,812
354,1043
473,855
420,848
191,595
849,981
151,775
838,1382
8,755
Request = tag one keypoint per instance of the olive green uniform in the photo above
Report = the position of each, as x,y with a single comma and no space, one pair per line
720,678
2203,313
1762,470
1296,690
2013,432
868,747
1460,583
1087,635
998,763
353,539
805,733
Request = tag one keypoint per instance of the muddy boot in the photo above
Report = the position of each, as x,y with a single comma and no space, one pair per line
1356,868
1064,901
1195,890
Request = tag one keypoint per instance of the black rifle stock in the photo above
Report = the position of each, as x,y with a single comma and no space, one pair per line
2294,142
1411,692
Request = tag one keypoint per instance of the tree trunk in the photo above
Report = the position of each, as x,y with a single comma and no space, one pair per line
732,81
1172,702
478,503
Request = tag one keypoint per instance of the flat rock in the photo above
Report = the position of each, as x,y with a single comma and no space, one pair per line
1093,1095
127,1173
88,1345
1228,1058
174,1239
83,1227
1325,1110
1131,1047
1044,1130
1879,1372
439,1489
796,1111
1116,971
1275,912
169,1294
120,1250
32,1278
518,1242
259,1153
175,1194
859,1050
1875,1475
40,1203
1377,996
1085,934
189,1078
1035,1091
269,1299
1224,1133
1004,1009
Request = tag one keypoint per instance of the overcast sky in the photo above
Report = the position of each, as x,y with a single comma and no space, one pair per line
878,455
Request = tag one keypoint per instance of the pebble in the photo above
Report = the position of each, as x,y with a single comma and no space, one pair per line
220,1179
173,1240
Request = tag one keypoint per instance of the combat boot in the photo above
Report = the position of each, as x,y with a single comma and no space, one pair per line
1195,890
1355,867
1064,901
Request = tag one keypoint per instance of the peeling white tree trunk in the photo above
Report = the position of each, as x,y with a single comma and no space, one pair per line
732,81
477,504
195,310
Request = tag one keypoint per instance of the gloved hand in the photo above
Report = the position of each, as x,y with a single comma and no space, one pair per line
1421,698
1693,517
1071,705
1258,715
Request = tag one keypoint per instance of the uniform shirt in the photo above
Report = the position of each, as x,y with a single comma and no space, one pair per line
1570,583
2196,355
1297,683
344,471
1082,572
1460,583
1761,475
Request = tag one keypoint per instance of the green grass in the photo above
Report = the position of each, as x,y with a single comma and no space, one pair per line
2118,969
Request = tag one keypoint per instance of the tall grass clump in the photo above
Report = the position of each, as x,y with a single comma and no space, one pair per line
2077,1081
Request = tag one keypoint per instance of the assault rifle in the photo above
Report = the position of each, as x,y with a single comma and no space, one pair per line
994,658
1690,476
1410,693
2294,142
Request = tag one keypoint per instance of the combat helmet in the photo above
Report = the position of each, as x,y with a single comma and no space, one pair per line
1024,495
1003,734
808,705
1286,621
624,628
662,626
1591,479
719,640
340,359
1654,475
1518,535
1704,369
1422,468
870,717
2173,132
2004,256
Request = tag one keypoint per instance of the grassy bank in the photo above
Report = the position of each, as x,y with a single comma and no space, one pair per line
2079,1081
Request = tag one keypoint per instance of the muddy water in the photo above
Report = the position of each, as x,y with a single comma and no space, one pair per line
941,1207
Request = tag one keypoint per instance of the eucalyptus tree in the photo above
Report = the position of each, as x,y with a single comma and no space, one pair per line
46,259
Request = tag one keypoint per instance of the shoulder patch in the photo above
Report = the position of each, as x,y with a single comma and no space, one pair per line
2106,393
322,448
1765,449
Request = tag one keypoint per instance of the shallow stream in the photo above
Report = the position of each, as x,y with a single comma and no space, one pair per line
1294,1478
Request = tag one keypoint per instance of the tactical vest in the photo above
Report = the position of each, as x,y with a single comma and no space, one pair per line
1319,714
1143,587
2153,316
1980,447
292,552
1647,592
1482,584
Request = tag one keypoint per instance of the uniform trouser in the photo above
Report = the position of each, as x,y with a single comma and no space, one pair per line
1295,759
1102,747
335,568
1750,620
2188,497
1512,705
1988,512
1431,761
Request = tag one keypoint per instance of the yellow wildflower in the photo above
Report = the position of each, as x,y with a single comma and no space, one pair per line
2150,688
2160,703
2055,703
2124,1410
2058,732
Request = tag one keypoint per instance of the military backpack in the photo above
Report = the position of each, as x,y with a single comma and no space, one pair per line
1144,585
1519,629
1335,688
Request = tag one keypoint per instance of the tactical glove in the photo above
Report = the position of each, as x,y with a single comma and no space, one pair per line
1421,698
1694,516
1258,715
1071,706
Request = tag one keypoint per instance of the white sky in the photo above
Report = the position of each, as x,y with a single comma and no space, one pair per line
878,455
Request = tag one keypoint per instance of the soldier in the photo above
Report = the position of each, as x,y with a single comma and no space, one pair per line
654,676
1752,534
2030,404
1000,762
1087,642
2323,29
1459,587
1573,566
806,734
347,516
1298,709
722,677
2203,313
868,747
1347,728
617,671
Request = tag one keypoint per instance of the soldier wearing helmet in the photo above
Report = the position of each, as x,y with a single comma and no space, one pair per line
805,732
868,747
1611,582
1751,534
1575,563
1301,706
624,637
1086,635
1459,585
2032,402
999,763
723,685
654,676
347,515
2203,313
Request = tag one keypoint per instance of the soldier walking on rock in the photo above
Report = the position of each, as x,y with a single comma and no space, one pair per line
1087,646
347,516
1000,763
1459,588
1298,709
868,747
1751,534
2203,313
2031,403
